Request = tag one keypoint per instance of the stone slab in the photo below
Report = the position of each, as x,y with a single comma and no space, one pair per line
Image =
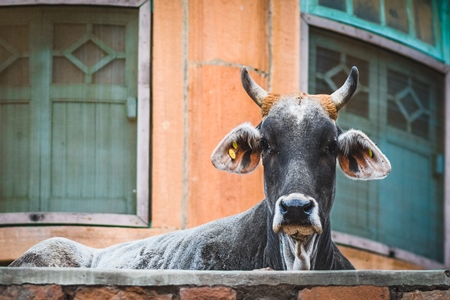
76,276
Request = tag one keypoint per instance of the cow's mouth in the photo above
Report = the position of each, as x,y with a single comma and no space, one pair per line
301,233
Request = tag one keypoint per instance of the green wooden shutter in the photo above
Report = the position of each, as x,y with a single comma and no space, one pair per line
399,104
19,148
81,126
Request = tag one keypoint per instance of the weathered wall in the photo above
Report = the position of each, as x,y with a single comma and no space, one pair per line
23,283
198,48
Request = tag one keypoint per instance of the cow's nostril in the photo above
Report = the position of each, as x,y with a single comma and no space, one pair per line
308,207
283,208
294,210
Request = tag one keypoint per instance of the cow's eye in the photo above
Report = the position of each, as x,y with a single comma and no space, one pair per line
332,147
264,145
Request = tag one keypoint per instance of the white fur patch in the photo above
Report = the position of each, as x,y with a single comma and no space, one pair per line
297,254
307,108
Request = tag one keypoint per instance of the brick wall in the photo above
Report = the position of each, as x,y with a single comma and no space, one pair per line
23,283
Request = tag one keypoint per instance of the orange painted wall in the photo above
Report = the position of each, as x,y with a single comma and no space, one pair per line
168,128
198,47
222,36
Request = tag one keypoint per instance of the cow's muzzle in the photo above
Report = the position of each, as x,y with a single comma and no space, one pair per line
297,216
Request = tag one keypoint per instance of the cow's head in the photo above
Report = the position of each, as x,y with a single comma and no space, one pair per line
299,142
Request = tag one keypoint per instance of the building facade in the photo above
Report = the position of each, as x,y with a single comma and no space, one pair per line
110,110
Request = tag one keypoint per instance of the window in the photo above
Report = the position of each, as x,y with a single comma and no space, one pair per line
399,104
70,112
416,23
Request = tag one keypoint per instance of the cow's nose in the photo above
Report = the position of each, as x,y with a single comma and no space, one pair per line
296,209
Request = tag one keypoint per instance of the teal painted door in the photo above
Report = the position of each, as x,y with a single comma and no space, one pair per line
399,104
412,126
67,92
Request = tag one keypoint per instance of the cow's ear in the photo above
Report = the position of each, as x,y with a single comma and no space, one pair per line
360,158
239,152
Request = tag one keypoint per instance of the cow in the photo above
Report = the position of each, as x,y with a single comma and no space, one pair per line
299,143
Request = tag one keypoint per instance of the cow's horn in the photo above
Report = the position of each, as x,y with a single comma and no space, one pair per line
344,93
255,92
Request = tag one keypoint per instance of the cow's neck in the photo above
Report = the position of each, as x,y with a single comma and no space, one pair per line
298,254
317,252
328,256
324,253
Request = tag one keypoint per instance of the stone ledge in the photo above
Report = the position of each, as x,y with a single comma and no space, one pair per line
156,278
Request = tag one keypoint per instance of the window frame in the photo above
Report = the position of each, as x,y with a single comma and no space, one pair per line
308,20
141,218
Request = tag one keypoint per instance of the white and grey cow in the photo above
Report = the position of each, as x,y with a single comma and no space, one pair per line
298,142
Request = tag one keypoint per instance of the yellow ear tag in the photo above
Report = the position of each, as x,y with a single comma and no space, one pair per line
232,153
370,152
235,145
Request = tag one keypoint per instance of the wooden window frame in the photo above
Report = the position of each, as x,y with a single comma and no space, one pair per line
308,20
141,218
